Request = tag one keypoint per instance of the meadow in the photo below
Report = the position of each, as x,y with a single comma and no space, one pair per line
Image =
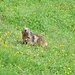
55,20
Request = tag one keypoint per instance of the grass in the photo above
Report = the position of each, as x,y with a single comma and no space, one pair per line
54,19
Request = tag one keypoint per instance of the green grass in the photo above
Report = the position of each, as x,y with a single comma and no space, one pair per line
55,20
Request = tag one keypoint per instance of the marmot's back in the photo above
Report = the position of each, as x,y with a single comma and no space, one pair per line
39,39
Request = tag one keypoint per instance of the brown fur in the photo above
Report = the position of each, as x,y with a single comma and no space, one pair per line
30,38
38,39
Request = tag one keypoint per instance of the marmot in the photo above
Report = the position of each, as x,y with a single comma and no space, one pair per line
31,38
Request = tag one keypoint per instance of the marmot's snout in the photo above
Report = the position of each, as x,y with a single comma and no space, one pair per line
25,30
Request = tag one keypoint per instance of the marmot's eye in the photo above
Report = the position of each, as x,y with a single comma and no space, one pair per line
25,30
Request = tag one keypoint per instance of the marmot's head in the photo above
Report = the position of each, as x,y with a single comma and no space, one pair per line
25,31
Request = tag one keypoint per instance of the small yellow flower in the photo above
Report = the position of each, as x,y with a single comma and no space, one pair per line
10,64
4,44
73,60
56,71
37,47
69,68
8,32
62,54
5,34
73,28
49,61
35,55
58,32
28,46
12,46
55,53
65,72
11,9
16,53
21,52
70,36
72,54
42,51
17,37
0,38
70,40
2,65
19,68
68,73
61,45
63,50
66,54
55,47
74,6
50,42
70,26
